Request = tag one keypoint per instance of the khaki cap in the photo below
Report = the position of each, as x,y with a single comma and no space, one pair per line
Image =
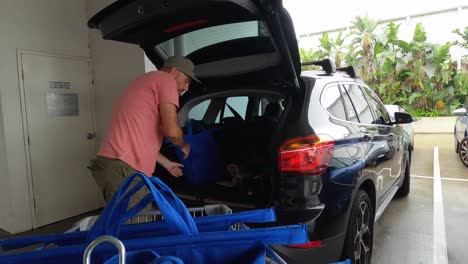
182,64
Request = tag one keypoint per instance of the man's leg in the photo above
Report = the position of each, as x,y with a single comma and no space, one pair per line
109,175
126,172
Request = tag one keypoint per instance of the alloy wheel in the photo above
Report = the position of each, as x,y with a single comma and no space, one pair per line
464,151
363,237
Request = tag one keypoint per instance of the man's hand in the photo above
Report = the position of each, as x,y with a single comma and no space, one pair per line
186,150
174,168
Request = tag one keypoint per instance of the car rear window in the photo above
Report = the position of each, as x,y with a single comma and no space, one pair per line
229,107
195,40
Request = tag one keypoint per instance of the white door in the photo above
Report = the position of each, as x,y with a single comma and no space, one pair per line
60,127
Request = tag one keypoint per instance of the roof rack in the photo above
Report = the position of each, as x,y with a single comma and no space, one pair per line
327,65
349,70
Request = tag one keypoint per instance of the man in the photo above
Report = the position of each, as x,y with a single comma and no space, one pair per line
144,114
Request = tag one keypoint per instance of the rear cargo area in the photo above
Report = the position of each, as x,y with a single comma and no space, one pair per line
243,165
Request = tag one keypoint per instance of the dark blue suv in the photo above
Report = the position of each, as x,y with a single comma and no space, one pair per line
318,146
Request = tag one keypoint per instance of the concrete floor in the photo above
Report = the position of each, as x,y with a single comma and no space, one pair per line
58,227
404,233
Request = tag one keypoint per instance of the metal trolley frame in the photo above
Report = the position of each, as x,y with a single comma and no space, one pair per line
85,224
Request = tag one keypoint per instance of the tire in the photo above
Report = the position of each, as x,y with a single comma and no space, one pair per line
360,231
404,189
463,151
410,156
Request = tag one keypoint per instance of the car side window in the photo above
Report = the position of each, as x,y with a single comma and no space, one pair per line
236,105
349,108
268,106
198,111
381,113
263,102
359,103
332,101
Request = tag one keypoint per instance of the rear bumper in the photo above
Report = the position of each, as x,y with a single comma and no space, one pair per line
294,216
329,251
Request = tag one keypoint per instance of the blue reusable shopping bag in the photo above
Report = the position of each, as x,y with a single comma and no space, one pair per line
203,164
204,224
243,246
115,213
145,257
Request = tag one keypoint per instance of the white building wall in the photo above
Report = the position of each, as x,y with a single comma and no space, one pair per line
5,202
114,66
51,26
57,27
438,27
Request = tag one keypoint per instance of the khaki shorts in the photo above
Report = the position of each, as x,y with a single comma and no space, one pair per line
109,174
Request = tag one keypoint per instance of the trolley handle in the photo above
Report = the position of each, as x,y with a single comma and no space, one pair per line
103,239
272,256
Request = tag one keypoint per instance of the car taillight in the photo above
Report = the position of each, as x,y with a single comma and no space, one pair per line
307,155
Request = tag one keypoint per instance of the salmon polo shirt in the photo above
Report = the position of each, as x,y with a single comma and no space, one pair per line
135,135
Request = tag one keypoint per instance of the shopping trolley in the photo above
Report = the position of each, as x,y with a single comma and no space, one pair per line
154,216
271,256
192,239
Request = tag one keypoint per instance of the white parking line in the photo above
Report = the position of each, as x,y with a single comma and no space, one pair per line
447,179
439,240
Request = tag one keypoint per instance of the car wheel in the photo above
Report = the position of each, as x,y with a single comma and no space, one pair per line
360,232
404,190
463,151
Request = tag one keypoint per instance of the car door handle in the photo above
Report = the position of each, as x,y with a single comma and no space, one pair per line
391,137
367,137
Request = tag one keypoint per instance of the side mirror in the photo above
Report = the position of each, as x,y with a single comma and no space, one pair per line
460,112
402,118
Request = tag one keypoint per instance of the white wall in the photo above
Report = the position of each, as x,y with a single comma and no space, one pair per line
309,17
438,27
53,26
114,65
59,27
5,204
149,66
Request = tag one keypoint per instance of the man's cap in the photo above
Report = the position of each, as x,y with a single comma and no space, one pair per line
182,64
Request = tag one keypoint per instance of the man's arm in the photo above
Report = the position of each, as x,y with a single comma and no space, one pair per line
170,127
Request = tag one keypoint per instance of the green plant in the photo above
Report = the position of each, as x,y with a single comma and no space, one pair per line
463,35
333,48
362,46
418,75
310,55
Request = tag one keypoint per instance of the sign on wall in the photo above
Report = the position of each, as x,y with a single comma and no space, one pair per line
62,104
59,85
